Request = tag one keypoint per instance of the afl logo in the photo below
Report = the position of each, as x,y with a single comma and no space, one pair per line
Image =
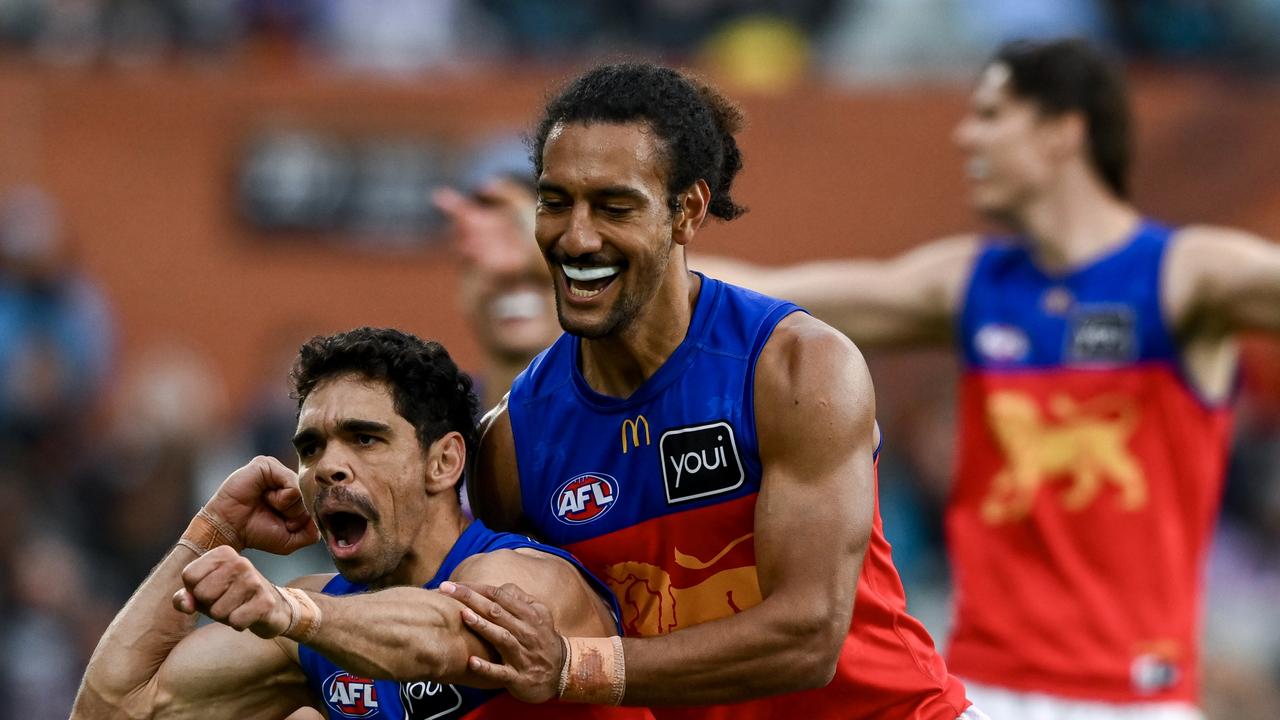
584,498
351,695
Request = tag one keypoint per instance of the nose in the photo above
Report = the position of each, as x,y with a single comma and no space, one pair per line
332,468
580,236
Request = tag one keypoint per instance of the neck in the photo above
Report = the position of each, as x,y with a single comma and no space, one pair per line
438,530
619,364
1076,222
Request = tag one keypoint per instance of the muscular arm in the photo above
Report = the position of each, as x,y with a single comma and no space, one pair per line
410,633
152,662
493,480
1222,281
815,420
911,299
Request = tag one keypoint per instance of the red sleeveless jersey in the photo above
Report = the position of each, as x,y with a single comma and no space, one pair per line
1088,480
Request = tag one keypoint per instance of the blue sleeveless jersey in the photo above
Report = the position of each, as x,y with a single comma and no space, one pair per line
697,411
656,494
345,695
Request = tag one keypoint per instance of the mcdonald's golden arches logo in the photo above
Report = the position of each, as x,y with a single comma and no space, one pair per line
634,426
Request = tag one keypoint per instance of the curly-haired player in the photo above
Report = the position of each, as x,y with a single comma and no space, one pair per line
385,422
707,450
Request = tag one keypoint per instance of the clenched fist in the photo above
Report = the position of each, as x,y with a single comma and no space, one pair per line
262,503
227,587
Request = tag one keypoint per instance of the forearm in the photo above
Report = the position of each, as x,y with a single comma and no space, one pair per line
396,634
766,650
134,646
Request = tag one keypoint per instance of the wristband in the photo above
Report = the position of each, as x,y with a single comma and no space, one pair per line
207,532
564,668
594,671
304,615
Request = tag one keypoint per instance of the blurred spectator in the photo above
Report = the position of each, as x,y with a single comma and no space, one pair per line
891,41
506,291
397,36
56,337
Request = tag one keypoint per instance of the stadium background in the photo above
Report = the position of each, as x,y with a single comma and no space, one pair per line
188,189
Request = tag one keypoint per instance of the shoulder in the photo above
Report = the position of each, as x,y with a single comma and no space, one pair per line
493,482
551,580
1197,243
528,567
494,428
802,346
1200,254
808,366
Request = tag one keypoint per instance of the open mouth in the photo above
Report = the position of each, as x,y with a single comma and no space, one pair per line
588,282
518,305
344,532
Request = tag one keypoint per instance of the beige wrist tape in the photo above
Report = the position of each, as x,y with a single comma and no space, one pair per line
207,532
304,615
594,671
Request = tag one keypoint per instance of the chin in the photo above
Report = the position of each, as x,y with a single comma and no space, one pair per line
586,329
356,570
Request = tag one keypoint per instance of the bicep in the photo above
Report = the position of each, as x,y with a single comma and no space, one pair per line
493,480
815,419
219,672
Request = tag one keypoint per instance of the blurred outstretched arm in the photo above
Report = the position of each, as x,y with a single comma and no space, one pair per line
908,300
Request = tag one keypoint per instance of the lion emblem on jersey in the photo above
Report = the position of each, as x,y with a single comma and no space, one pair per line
652,605
1084,443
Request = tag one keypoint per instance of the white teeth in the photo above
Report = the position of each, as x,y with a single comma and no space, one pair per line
977,168
520,305
578,292
582,274
343,543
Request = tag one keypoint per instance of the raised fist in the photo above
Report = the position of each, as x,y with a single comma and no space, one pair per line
262,503
225,585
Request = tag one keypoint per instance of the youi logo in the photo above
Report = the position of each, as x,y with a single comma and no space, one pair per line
584,498
700,461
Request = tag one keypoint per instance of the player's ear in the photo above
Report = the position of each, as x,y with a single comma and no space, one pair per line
1068,134
445,460
689,211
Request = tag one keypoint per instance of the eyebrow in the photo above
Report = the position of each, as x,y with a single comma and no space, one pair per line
350,426
609,191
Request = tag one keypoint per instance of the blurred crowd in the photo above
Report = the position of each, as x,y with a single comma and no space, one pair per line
853,40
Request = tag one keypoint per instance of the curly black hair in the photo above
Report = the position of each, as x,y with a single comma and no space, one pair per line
694,121
427,388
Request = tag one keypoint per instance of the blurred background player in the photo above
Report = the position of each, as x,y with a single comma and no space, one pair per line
384,426
1099,353
506,292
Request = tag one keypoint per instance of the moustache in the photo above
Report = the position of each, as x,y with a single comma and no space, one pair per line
342,494
596,259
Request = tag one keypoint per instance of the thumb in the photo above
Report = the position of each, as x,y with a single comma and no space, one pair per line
184,602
